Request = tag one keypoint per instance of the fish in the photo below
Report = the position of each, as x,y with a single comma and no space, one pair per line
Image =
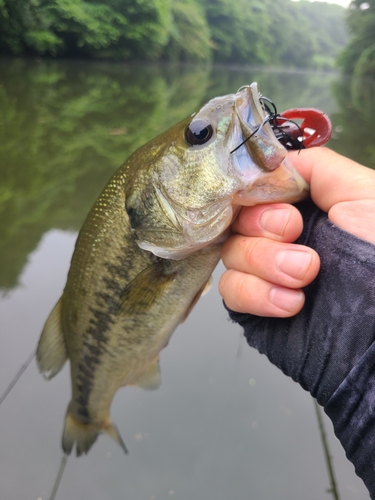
148,248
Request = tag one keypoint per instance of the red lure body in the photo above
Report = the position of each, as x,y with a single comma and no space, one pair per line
314,130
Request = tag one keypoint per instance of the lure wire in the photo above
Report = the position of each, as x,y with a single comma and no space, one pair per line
288,141
243,142
264,98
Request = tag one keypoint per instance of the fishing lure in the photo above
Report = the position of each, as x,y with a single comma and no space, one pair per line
314,129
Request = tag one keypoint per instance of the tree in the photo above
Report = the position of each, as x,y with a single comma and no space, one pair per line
189,37
359,56
239,30
117,28
276,32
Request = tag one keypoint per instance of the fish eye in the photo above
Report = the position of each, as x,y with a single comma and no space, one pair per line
198,132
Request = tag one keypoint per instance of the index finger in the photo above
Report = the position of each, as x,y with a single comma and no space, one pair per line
333,178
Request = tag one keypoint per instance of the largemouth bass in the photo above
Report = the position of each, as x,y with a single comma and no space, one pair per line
148,248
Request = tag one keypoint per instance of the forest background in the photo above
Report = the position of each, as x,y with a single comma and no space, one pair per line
261,32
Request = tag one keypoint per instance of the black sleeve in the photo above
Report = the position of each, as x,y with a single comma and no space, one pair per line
328,348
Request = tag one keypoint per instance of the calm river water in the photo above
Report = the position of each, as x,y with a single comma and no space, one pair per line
225,424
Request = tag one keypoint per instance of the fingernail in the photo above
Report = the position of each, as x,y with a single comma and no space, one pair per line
274,220
285,298
294,263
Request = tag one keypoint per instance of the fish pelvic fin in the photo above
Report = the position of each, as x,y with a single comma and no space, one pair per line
150,379
84,434
202,291
51,352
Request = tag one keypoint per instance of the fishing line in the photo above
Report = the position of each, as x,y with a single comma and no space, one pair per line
59,476
17,376
266,120
327,455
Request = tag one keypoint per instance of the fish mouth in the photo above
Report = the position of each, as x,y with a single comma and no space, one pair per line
260,161
259,139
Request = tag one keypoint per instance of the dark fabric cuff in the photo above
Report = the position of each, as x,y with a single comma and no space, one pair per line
319,346
352,411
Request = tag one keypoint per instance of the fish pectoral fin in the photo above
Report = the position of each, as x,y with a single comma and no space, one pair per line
52,353
202,291
149,379
140,294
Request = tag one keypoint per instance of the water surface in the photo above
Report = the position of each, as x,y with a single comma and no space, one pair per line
225,423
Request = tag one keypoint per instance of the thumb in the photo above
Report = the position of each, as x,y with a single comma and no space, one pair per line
341,187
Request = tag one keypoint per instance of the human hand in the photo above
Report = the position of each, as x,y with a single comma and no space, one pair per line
265,270
329,346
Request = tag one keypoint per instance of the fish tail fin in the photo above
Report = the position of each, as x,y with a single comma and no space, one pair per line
84,434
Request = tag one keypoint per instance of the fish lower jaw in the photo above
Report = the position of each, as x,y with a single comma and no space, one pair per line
283,185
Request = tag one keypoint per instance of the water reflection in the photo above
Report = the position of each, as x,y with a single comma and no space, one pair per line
64,129
354,122
218,427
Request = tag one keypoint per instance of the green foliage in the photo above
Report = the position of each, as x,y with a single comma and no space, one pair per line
353,124
84,25
189,33
292,43
277,32
325,24
146,31
128,27
365,65
358,57
239,30
16,18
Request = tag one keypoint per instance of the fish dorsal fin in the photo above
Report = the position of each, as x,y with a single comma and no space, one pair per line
149,379
139,295
51,353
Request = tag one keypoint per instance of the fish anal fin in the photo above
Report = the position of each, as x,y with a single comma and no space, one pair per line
141,293
150,379
113,432
84,434
51,353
